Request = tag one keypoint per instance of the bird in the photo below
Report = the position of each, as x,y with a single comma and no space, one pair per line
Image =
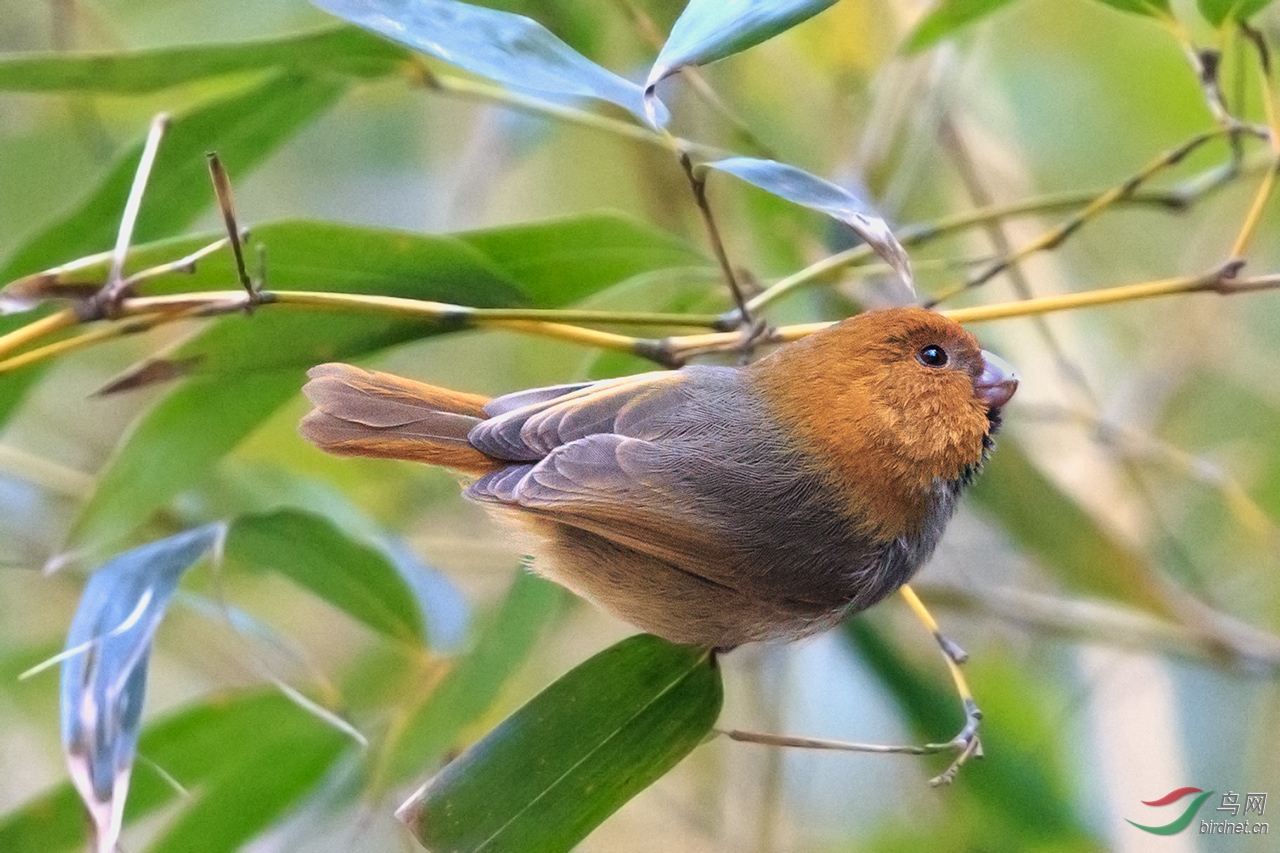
712,505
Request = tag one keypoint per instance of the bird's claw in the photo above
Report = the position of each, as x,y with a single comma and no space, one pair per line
966,744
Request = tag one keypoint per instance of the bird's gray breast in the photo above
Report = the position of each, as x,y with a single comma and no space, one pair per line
781,515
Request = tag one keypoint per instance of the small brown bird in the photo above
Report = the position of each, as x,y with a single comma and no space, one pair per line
713,505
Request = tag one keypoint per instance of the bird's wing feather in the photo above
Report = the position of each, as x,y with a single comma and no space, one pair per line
617,487
556,416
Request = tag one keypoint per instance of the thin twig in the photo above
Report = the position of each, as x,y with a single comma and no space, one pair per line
114,289
1216,281
1055,236
1095,621
1177,200
698,183
226,206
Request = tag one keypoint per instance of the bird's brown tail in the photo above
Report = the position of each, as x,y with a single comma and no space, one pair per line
364,413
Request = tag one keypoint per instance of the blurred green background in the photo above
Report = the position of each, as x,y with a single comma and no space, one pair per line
1116,579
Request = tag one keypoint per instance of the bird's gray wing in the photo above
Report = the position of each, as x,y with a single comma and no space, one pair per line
624,489
529,425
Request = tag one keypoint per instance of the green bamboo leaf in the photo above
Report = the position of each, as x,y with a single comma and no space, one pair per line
204,747
474,681
244,128
556,768
1146,8
948,16
1052,527
1219,12
554,262
244,368
350,575
569,258
293,755
341,50
710,30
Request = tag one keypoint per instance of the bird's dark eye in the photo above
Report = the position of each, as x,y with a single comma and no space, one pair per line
932,356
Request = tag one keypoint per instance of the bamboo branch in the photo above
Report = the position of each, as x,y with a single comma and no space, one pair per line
1054,237
143,313
1176,200
1092,621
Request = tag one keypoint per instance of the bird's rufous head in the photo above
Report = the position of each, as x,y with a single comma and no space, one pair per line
901,398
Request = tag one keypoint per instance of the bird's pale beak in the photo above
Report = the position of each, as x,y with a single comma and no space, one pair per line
997,383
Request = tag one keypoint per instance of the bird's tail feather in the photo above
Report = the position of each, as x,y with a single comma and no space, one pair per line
365,413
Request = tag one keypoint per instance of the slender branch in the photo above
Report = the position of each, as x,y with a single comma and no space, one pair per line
1217,281
1094,621
139,314
115,286
150,311
93,337
1177,200
1054,237
226,206
1260,199
50,476
1254,217
26,335
698,183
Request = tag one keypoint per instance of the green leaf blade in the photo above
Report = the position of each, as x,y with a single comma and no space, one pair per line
1147,8
555,769
243,128
471,687
202,746
947,17
1221,12
334,49
352,576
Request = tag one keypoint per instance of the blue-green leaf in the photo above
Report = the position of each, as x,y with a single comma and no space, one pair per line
709,30
104,675
509,49
798,186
